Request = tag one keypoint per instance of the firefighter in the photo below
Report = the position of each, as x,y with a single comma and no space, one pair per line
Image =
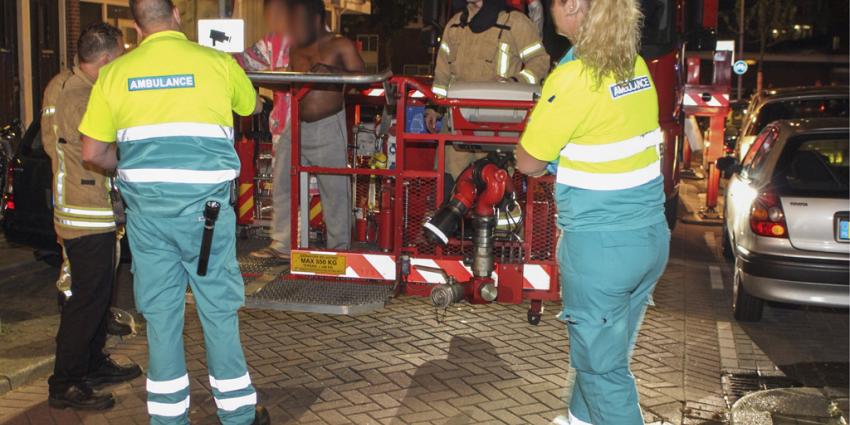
119,322
486,41
598,117
168,104
49,139
85,224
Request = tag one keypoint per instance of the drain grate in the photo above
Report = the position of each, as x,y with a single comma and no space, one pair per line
320,296
737,385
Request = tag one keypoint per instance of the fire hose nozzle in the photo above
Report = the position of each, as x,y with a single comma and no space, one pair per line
443,296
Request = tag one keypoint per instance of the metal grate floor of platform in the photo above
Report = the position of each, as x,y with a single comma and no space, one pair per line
269,286
320,296
253,267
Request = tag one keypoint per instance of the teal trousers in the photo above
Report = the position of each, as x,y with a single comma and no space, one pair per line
165,259
607,279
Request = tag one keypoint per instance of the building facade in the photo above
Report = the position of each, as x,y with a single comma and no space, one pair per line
38,38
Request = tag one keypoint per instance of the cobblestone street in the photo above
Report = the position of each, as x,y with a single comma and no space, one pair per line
486,364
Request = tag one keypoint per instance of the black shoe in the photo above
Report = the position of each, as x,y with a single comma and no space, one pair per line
261,416
110,372
81,397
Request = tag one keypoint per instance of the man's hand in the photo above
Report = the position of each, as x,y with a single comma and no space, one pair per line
264,105
258,107
431,120
99,154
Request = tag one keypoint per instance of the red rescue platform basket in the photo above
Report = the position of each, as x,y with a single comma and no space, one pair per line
391,254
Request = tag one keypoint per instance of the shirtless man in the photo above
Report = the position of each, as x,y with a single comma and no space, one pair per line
323,126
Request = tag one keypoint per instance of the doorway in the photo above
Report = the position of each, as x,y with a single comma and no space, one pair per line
44,24
10,105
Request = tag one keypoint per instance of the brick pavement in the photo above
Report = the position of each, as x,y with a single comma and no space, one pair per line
27,328
484,365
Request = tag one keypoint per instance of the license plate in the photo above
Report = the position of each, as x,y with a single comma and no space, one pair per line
303,262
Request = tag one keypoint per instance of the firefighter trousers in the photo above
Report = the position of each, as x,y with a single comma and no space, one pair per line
607,279
82,328
165,258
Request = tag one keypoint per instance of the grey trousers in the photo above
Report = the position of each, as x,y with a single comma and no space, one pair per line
323,144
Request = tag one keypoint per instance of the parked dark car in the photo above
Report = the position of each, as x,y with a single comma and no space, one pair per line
10,135
27,204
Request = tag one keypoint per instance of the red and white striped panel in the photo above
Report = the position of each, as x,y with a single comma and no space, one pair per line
454,268
360,266
695,99
537,277
375,92
534,276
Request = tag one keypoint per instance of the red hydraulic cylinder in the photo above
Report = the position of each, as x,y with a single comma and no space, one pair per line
385,218
714,151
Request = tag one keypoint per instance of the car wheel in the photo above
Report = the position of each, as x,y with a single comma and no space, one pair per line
746,308
728,251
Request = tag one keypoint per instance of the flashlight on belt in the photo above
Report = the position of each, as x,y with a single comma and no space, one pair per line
210,215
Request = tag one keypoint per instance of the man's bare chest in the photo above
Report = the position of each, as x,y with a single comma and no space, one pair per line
308,61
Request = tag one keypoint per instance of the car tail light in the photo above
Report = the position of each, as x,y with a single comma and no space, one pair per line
767,217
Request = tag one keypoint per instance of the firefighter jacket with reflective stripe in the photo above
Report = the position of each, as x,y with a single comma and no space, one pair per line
48,110
169,105
511,49
81,204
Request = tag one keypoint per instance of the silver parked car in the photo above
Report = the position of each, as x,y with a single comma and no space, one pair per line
787,223
789,103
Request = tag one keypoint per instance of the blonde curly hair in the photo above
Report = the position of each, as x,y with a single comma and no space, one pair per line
608,40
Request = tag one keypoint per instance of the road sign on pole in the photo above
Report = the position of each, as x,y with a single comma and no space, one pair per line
740,67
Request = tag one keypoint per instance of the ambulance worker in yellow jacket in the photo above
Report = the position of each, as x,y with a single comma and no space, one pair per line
598,118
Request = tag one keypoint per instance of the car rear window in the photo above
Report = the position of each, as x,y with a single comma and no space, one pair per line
793,109
814,166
